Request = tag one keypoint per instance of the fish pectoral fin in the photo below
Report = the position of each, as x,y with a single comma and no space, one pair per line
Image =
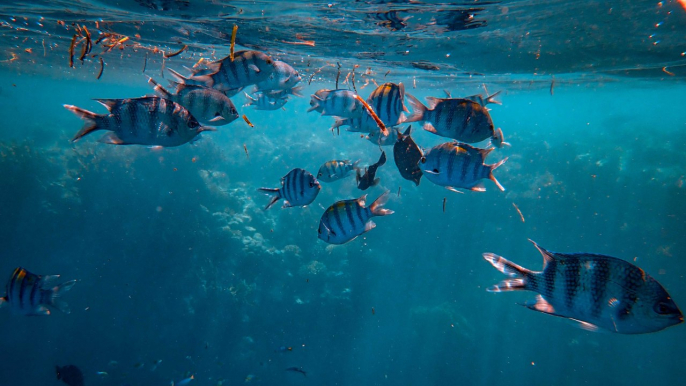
585,325
479,187
430,128
254,68
369,226
218,119
541,305
111,138
454,190
3,300
431,172
42,310
286,204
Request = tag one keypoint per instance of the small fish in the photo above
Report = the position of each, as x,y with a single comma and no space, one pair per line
262,101
373,311
595,290
183,382
552,86
245,147
367,179
458,165
297,369
424,65
284,349
407,155
377,137
340,103
70,374
249,378
299,188
155,364
335,170
345,220
445,199
388,101
172,54
102,373
460,119
390,20
151,121
284,77
207,105
31,294
246,68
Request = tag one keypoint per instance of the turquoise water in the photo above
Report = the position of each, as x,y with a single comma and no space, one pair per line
176,260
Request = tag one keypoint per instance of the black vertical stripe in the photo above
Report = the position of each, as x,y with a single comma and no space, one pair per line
599,276
349,213
465,165
22,289
337,218
32,300
301,185
549,275
571,283
451,163
632,281
10,287
358,211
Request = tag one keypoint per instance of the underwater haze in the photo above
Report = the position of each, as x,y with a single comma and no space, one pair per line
182,272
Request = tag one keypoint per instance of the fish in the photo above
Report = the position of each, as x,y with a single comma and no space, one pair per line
284,349
388,101
246,68
299,188
389,19
460,119
297,369
459,165
31,294
598,291
334,170
367,179
345,220
264,101
340,103
407,155
363,124
150,121
377,137
207,105
183,382
70,374
284,77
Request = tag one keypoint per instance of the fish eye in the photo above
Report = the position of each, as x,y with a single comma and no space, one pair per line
319,230
663,308
217,114
423,159
435,170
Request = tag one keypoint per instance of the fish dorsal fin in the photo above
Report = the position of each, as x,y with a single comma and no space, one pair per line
362,200
485,152
541,305
408,131
547,256
432,102
108,103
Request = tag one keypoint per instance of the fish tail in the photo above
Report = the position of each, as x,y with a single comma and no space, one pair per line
519,274
296,91
354,165
382,158
498,139
276,196
491,98
492,177
377,206
91,121
159,89
56,292
418,109
196,80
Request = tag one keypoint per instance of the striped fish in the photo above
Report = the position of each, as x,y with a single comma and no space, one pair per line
284,77
31,294
299,188
597,291
335,170
458,165
363,124
388,102
377,137
341,103
366,179
262,101
151,121
206,104
460,119
407,155
347,219
247,67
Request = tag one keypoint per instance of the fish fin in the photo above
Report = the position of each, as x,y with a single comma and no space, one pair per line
249,97
254,68
159,89
453,189
491,98
417,179
541,305
585,325
431,172
377,206
312,108
286,204
430,128
431,102
56,292
3,300
418,109
276,196
217,119
479,187
179,78
205,128
296,91
108,103
498,140
376,181
510,269
369,226
492,177
90,124
362,200
485,152
111,138
447,93
41,310
382,158
354,165
547,256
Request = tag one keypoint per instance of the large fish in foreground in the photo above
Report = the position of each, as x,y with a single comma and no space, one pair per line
347,219
388,102
299,188
458,165
31,294
407,155
597,291
460,119
151,121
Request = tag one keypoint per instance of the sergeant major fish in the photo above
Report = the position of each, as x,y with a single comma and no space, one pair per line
31,294
226,75
335,170
367,179
340,103
144,121
347,219
407,155
460,119
264,101
458,165
284,77
205,104
299,188
596,290
388,101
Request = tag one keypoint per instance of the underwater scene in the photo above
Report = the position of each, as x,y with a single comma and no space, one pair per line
215,193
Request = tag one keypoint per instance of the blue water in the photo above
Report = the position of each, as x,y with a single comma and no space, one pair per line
176,260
